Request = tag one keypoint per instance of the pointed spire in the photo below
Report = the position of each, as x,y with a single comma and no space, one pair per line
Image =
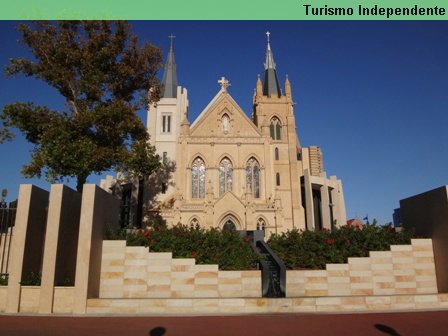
271,86
287,87
259,88
169,81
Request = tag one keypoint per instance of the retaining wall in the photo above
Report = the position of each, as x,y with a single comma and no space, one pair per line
405,269
133,272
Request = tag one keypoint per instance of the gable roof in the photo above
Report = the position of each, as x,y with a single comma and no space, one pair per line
220,97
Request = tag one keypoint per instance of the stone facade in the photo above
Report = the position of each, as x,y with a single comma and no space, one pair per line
250,173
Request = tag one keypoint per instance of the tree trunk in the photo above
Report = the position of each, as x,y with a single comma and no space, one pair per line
81,179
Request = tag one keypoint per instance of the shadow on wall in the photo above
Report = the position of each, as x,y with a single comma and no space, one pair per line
157,331
157,184
142,199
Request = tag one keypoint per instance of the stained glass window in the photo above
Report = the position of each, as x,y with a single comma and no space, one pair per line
225,176
253,177
198,179
275,129
261,224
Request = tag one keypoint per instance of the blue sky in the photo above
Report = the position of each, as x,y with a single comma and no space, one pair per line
372,94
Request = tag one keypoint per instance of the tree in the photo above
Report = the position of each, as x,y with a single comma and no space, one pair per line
104,76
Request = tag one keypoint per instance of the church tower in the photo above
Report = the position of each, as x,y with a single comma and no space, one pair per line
273,113
165,118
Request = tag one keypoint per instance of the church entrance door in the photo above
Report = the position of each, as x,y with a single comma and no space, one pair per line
229,224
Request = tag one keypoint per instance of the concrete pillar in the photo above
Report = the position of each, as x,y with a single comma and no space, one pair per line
342,216
98,210
325,203
309,201
27,241
61,240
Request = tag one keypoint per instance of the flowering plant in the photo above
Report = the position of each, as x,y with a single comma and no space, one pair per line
226,248
315,249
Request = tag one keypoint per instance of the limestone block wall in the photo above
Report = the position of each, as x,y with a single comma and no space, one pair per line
133,272
405,269
3,297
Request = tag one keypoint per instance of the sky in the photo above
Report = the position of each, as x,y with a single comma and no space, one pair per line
372,94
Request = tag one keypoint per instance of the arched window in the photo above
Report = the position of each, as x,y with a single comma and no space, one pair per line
198,179
229,225
276,155
194,223
277,179
225,123
275,129
261,224
253,177
225,176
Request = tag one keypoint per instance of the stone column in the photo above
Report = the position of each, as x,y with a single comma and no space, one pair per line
27,240
61,241
325,203
98,210
309,201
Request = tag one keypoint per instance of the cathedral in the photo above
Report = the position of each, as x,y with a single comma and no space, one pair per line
229,170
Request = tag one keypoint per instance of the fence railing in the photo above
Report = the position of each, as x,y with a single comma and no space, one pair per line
7,221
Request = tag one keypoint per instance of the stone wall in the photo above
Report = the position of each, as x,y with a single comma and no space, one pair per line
3,297
229,306
26,251
45,241
133,272
405,269
427,214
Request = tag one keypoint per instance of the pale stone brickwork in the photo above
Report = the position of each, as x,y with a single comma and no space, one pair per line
29,299
133,272
263,305
63,300
405,269
400,279
27,242
3,296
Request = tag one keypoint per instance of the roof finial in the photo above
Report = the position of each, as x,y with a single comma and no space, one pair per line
267,34
171,37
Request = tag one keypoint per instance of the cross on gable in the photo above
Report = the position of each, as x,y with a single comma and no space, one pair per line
224,83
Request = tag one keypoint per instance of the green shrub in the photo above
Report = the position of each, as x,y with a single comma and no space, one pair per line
315,249
3,280
32,279
226,248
